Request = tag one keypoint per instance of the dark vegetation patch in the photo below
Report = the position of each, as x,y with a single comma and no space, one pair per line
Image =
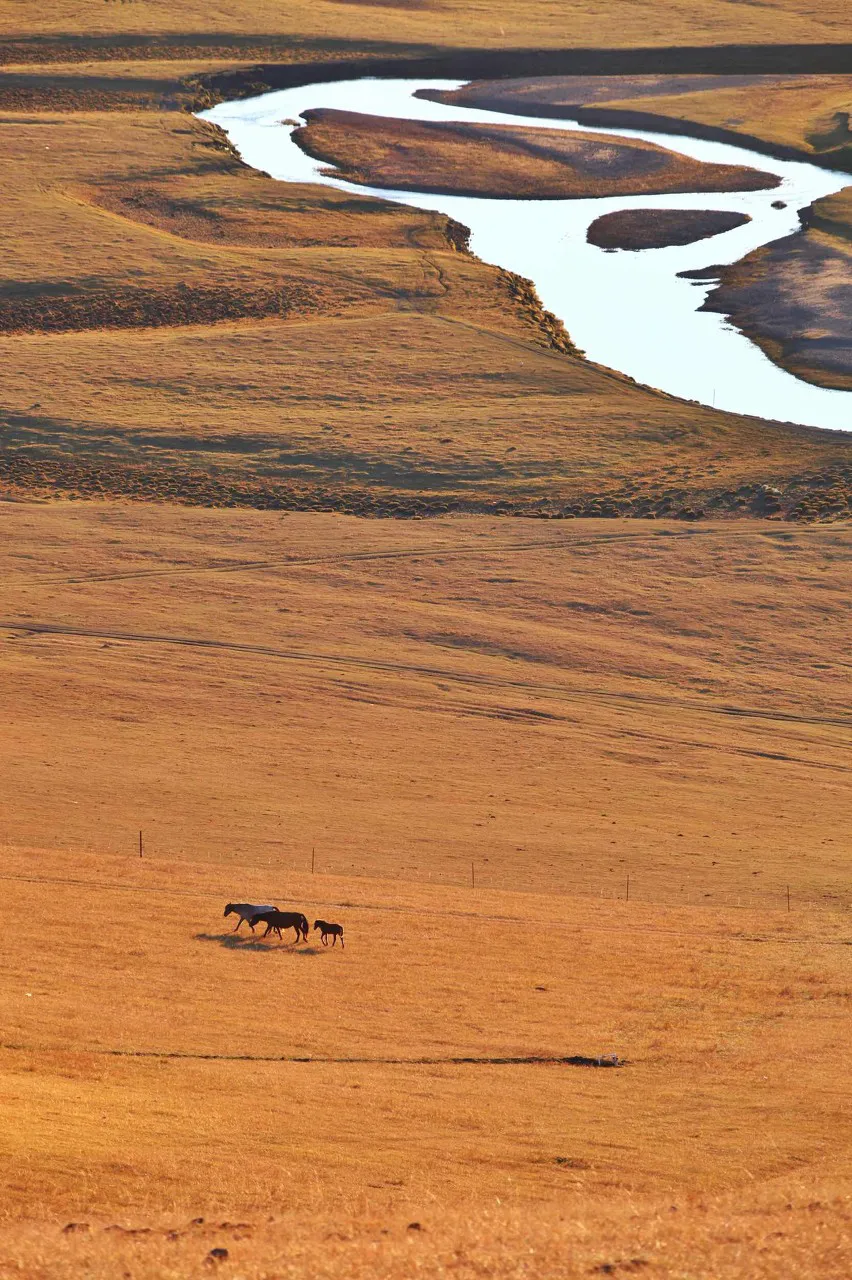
32,471
269,214
51,311
41,91
658,228
310,61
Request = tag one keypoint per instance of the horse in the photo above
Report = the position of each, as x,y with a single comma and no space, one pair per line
330,931
278,920
245,911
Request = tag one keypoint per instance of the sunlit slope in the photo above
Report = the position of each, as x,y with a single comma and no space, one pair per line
215,336
524,23
562,703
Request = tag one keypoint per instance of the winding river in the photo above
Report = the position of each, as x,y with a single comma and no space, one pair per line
629,311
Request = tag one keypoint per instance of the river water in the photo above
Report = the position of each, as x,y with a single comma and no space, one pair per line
627,310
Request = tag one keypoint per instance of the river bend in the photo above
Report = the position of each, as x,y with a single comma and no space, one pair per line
627,310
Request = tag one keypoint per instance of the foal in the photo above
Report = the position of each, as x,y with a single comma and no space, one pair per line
330,931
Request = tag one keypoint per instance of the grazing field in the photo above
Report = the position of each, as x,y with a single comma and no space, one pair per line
589,698
576,789
304,1104
231,24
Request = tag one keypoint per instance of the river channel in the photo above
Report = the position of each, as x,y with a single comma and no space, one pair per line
629,311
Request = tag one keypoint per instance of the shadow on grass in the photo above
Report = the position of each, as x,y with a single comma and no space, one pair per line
233,942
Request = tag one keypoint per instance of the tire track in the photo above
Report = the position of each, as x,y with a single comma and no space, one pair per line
387,666
343,557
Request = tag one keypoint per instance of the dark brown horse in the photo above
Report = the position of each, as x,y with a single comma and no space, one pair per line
330,931
279,920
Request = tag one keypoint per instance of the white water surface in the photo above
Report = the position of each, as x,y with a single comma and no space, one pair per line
626,310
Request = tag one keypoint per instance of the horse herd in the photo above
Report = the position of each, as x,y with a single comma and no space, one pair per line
276,920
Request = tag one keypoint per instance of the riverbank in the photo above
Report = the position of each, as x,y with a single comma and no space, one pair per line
792,117
794,297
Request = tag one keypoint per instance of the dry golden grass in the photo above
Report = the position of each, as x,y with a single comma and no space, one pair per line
560,705
588,698
459,23
497,161
779,1231
732,1104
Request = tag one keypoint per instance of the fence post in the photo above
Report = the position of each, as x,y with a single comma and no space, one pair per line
140,844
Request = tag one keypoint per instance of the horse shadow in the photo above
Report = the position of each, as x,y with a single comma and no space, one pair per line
233,942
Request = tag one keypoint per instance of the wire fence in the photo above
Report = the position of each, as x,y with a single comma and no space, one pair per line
651,887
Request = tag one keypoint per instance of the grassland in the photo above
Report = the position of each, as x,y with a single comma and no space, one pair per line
159,274
466,23
410,699
171,1090
411,696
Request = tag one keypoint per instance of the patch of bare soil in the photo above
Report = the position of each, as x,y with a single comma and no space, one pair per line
505,161
657,228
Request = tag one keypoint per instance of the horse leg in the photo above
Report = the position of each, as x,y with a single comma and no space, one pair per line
239,922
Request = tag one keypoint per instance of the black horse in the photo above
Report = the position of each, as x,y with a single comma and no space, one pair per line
330,931
279,920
